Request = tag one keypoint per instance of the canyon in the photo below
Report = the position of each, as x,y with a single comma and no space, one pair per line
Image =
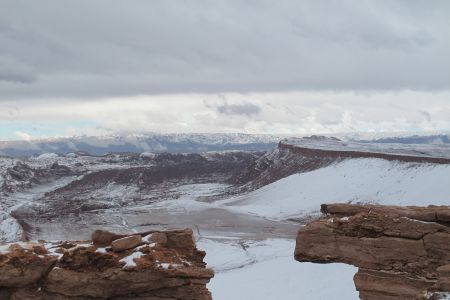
244,207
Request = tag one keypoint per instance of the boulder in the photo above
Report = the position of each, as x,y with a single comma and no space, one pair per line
126,243
104,238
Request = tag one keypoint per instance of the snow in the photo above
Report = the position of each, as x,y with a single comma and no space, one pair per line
10,229
52,250
47,156
189,194
330,144
80,246
148,155
4,249
148,238
267,270
356,180
167,266
129,260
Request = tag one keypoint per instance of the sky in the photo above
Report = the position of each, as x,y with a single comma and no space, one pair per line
71,67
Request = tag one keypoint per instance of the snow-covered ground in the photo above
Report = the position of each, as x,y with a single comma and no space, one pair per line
330,144
267,270
10,229
356,180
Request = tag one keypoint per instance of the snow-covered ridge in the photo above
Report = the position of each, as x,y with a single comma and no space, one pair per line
336,145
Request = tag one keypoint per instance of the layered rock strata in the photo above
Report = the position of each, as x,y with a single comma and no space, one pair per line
157,265
401,252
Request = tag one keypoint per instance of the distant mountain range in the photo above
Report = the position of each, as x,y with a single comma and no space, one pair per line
183,143
172,143
414,139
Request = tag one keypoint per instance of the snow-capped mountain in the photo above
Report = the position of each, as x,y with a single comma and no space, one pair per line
172,143
189,143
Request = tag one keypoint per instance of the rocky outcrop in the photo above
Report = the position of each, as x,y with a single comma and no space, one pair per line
158,265
401,252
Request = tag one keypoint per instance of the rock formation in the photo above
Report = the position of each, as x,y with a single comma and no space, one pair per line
158,265
401,252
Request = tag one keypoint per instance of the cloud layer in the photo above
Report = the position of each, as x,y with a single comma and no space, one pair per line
88,49
299,113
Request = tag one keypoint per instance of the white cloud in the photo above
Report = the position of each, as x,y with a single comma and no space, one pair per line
23,136
290,113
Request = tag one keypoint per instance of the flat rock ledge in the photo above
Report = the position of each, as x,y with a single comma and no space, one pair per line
401,252
154,265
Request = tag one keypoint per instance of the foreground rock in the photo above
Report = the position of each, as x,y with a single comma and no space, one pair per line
402,253
152,266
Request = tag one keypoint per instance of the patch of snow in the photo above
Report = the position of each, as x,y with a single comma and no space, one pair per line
148,238
148,155
4,248
101,250
167,266
267,270
80,246
47,156
52,250
145,245
129,260
10,229
189,196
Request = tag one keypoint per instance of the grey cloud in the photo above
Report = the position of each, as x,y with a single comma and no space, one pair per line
426,114
247,109
15,72
99,48
225,108
8,111
16,76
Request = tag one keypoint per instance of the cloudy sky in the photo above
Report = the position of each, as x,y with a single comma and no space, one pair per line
288,66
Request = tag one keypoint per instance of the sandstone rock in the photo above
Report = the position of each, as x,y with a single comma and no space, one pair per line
382,285
444,278
22,266
431,213
126,243
174,270
104,238
401,253
159,238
